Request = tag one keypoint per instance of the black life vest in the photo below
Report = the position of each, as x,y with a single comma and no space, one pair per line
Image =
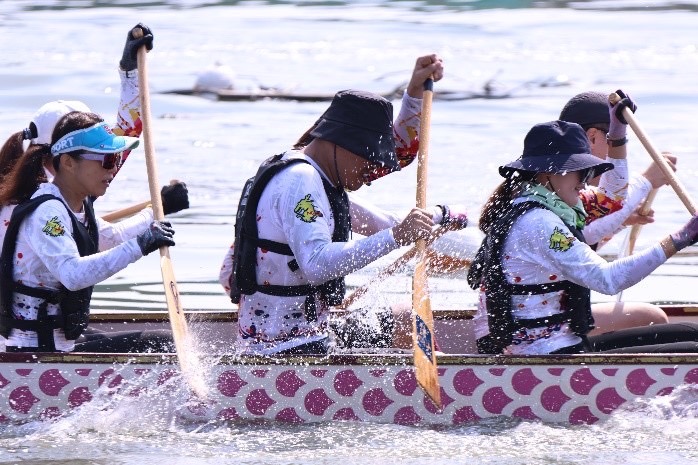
75,305
486,270
243,280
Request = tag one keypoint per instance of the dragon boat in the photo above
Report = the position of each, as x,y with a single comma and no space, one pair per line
345,386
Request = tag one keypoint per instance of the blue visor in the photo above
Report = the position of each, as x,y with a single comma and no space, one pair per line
98,138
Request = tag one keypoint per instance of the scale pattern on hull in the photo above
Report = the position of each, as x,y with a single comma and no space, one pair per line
374,393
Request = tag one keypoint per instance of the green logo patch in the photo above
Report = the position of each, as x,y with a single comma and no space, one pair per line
558,240
54,228
305,210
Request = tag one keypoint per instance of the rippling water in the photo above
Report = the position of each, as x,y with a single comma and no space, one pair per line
538,54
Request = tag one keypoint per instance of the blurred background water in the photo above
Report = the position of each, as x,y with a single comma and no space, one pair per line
536,54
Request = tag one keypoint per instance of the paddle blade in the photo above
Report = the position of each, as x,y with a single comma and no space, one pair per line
423,331
186,352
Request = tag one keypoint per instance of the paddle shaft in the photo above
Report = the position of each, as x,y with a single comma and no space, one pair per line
629,243
424,356
120,214
674,182
390,269
644,211
188,360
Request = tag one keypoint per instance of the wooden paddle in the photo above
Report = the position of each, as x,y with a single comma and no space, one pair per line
186,352
390,269
635,229
628,245
423,328
674,182
118,215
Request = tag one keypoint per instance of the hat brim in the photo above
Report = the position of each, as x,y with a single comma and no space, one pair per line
556,165
376,147
97,138
115,144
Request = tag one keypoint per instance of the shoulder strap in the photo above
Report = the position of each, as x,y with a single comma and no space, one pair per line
243,277
86,238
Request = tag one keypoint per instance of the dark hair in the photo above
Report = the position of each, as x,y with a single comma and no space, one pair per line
27,171
10,152
500,200
25,175
68,123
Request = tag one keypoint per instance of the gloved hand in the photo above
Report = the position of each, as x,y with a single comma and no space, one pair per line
454,217
129,61
175,197
158,234
618,126
687,235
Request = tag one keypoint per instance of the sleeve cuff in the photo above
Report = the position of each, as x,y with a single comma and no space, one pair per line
133,74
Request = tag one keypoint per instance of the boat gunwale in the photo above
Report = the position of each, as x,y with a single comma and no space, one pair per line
195,316
354,359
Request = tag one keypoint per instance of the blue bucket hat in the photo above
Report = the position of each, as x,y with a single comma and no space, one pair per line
360,122
555,147
97,138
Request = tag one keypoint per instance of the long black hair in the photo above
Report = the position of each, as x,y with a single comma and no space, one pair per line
12,150
500,199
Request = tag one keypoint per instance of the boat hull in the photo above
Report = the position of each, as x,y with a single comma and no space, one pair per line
573,389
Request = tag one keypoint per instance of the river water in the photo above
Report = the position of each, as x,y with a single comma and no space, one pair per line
535,53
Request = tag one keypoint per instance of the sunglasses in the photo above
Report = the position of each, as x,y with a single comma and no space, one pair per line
109,160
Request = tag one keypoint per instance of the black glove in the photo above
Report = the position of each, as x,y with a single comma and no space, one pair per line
158,234
129,61
454,216
687,235
625,101
175,197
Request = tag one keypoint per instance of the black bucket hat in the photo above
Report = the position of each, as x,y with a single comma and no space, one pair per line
587,108
555,147
360,122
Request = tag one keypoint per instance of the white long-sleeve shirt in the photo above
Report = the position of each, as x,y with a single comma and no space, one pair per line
541,249
47,256
295,210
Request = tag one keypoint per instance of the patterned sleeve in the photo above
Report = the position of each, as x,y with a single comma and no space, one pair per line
128,118
611,193
406,132
226,270
606,227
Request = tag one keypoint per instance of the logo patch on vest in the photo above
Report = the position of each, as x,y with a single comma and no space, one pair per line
306,211
558,240
54,228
